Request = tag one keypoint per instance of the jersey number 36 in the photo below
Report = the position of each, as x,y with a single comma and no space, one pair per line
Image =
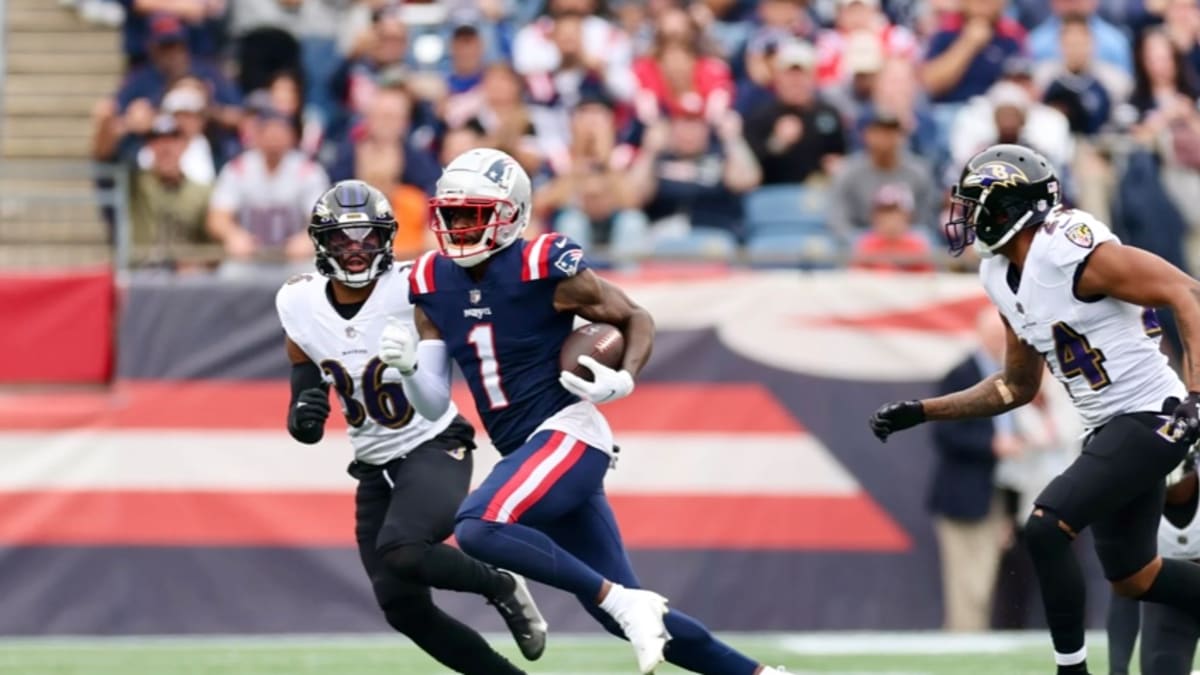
383,402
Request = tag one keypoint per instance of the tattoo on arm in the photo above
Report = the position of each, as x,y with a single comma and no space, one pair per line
1188,332
1015,386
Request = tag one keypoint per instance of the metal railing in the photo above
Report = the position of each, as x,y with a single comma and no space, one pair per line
63,213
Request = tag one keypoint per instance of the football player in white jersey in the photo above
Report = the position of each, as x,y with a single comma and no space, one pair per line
1073,297
412,473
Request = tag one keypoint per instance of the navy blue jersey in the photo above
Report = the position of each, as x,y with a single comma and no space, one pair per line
503,331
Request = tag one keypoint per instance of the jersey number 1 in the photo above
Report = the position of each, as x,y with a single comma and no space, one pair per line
484,339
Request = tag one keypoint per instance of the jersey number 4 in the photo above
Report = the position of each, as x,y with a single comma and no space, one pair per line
483,337
384,402
1077,357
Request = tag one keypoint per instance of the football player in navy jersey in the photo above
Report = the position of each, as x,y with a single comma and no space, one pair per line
501,308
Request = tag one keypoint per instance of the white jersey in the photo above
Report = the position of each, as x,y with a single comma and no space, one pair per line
382,424
1181,543
1104,351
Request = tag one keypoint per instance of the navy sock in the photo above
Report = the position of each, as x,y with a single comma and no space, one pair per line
527,552
693,648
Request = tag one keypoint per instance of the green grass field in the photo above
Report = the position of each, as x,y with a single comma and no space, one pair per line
846,654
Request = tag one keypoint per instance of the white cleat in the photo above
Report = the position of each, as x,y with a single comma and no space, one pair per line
640,613
778,670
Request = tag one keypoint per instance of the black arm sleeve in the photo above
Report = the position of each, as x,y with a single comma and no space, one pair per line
304,376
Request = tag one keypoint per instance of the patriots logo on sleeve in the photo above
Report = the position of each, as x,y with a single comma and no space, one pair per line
568,262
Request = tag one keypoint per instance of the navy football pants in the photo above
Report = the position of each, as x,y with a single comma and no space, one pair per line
542,513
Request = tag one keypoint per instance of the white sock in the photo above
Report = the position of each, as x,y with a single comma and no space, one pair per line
1071,659
613,600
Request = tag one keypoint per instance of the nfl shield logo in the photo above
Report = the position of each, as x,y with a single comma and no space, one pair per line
475,295
350,332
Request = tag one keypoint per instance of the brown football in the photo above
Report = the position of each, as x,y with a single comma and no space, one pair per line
601,341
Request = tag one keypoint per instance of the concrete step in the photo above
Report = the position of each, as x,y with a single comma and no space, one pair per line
40,63
20,126
49,16
31,256
25,147
65,42
77,85
50,104
93,231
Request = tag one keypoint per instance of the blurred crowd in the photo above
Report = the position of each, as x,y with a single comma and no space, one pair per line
772,131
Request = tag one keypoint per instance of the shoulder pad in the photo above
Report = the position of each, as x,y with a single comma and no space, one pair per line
421,274
1074,235
551,256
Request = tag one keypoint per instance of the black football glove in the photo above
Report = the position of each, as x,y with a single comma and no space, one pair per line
1185,421
308,415
896,416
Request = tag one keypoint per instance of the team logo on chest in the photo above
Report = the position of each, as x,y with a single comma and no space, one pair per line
475,296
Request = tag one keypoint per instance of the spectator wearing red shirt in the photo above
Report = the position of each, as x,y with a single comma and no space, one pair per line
966,57
856,17
891,244
679,65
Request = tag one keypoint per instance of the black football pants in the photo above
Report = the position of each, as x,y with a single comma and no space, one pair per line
409,504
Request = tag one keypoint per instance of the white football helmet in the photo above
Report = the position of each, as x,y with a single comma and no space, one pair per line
481,206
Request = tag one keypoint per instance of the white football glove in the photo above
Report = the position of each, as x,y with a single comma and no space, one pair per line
608,385
398,346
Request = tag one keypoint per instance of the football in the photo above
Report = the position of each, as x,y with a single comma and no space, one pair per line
601,341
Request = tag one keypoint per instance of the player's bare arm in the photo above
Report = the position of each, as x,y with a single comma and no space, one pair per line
596,300
309,405
1142,278
1011,388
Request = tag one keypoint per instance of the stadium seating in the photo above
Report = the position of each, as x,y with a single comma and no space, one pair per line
786,227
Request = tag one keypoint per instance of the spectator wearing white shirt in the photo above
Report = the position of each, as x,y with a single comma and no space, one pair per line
261,201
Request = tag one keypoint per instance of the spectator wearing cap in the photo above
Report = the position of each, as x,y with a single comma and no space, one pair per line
589,196
779,22
897,89
1110,42
966,56
380,150
187,104
680,65
202,20
170,61
854,18
891,244
1073,87
690,177
167,209
863,60
1009,114
884,161
464,76
795,135
260,204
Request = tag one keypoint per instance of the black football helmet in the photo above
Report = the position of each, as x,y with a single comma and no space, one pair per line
1002,191
352,229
